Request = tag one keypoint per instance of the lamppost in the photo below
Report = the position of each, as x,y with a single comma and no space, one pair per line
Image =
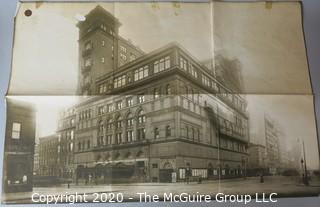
304,165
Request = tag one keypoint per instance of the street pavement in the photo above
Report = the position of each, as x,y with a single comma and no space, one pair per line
283,186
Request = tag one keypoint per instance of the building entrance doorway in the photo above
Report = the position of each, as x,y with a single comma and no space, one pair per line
165,174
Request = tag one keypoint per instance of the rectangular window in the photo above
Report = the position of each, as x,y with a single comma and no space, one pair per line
88,62
156,93
141,73
123,49
193,71
154,165
129,136
109,139
102,43
102,59
141,98
129,122
129,101
205,80
119,105
110,107
183,64
119,81
119,124
123,57
119,138
203,173
132,57
88,45
182,173
101,110
16,130
161,65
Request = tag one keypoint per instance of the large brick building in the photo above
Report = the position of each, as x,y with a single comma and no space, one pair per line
19,147
160,116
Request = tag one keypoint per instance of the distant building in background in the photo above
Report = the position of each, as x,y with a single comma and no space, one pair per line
66,142
227,71
265,134
56,151
48,156
272,145
257,159
19,147
36,165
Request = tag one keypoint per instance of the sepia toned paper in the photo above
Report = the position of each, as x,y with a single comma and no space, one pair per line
143,99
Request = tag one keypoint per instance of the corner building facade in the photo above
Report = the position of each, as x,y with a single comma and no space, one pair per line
160,117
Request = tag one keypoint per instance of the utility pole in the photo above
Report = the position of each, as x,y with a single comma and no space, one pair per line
306,181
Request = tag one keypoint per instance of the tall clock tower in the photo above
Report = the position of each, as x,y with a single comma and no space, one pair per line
98,46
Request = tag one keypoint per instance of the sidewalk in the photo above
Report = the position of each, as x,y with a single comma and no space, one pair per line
251,185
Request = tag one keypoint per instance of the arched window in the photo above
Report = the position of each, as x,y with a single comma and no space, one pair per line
156,133
101,127
168,89
129,120
141,117
168,131
119,122
109,124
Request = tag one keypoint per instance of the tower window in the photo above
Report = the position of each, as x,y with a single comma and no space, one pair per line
88,62
88,45
16,130
132,57
123,49
123,57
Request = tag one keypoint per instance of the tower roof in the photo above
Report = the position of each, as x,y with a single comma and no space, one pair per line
99,13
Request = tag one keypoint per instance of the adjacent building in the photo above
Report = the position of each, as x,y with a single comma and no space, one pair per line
49,156
36,159
66,142
272,145
156,117
265,144
257,159
19,147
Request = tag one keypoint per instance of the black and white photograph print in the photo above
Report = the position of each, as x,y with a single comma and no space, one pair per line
126,98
